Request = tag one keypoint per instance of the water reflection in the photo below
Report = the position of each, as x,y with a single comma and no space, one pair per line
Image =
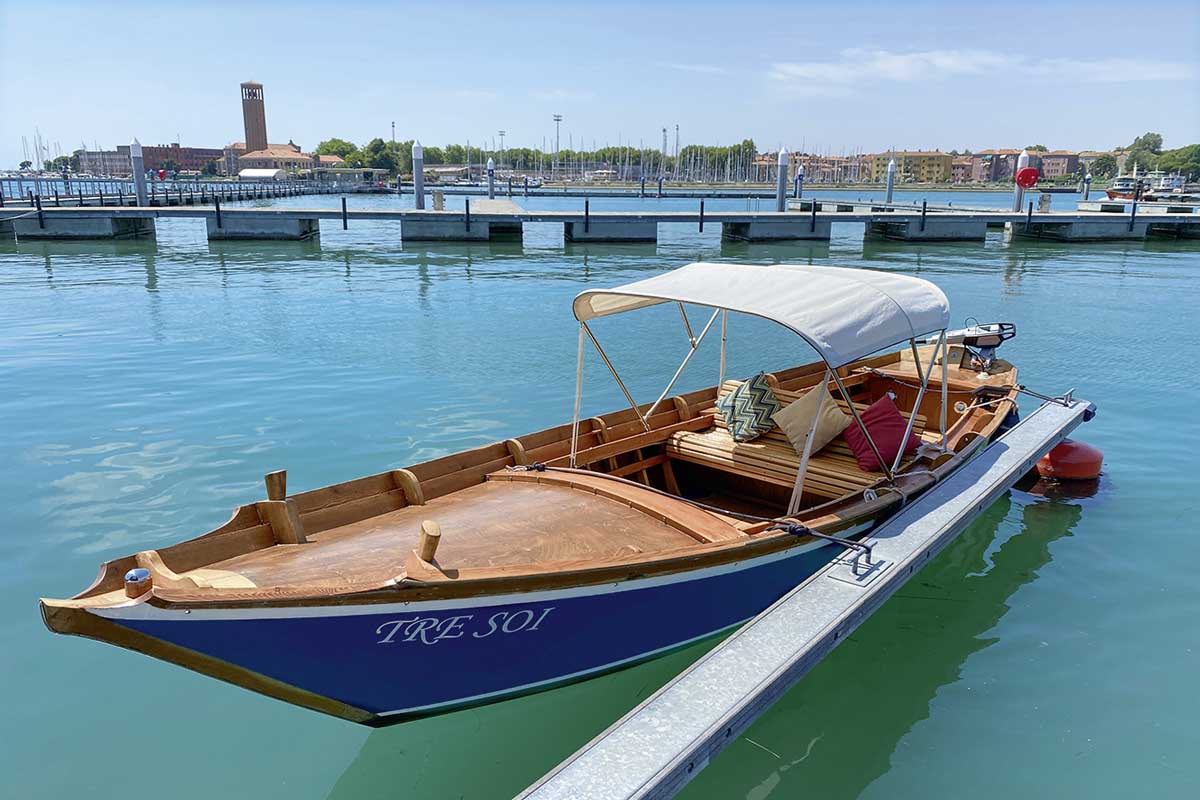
796,252
496,751
884,677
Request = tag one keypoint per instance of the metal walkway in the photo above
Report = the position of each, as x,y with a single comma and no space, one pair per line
655,749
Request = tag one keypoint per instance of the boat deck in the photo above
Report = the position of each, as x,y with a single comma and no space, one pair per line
494,524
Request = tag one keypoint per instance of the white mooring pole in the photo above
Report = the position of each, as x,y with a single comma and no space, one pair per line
891,179
1018,191
138,166
781,181
418,156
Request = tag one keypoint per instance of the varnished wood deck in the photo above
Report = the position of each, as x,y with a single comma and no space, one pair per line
498,523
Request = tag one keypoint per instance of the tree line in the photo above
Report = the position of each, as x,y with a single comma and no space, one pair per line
693,160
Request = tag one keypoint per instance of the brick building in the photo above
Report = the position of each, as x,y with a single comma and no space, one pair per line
185,158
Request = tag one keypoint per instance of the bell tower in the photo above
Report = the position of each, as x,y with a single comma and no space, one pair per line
254,116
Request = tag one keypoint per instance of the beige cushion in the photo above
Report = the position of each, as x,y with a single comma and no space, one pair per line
796,420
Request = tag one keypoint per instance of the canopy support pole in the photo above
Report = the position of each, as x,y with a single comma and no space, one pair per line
636,411
687,324
724,332
798,488
862,427
917,360
578,397
695,346
912,417
945,384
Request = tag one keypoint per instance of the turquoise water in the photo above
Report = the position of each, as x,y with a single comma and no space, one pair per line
147,386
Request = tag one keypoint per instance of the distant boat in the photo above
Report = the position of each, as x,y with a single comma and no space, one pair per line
1124,187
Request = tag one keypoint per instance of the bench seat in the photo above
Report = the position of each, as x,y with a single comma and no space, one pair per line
832,472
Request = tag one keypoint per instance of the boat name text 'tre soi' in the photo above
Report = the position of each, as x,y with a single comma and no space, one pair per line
431,630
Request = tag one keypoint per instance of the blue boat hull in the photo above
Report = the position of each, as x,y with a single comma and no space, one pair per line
404,660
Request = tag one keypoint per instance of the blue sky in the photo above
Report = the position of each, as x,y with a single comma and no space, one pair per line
829,76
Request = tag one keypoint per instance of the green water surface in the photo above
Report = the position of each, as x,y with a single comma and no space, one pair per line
145,387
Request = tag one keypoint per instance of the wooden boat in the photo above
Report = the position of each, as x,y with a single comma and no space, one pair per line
558,555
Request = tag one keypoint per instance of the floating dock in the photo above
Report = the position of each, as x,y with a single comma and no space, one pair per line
483,220
659,746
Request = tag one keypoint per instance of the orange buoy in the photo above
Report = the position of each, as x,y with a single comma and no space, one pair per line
1071,461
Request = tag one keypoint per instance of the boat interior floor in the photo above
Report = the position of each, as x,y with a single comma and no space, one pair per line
511,520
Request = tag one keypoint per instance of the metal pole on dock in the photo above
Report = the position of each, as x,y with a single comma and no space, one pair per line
1018,190
418,159
798,189
642,189
491,176
217,205
42,217
1087,185
1137,195
660,182
781,181
345,220
527,186
510,185
139,171
891,179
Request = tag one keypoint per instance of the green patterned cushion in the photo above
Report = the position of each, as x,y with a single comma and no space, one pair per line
748,409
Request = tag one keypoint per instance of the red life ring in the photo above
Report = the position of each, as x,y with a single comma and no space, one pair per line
1027,178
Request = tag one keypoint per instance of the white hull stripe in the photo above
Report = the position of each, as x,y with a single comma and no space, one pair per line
146,611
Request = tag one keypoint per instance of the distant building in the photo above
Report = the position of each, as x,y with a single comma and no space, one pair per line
960,169
104,162
988,166
254,116
287,157
256,152
185,158
817,168
1058,163
1086,157
919,166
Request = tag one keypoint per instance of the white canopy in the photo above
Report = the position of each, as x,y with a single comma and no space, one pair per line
843,313
261,174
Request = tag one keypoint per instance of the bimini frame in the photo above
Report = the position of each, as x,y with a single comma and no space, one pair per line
585,332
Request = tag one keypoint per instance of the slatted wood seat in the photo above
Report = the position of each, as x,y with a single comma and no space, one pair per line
832,472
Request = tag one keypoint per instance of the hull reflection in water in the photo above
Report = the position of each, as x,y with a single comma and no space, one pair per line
887,674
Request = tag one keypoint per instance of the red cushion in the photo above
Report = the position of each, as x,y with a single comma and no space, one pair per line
886,426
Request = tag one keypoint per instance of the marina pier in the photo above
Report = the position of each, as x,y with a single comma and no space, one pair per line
662,744
18,192
484,220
